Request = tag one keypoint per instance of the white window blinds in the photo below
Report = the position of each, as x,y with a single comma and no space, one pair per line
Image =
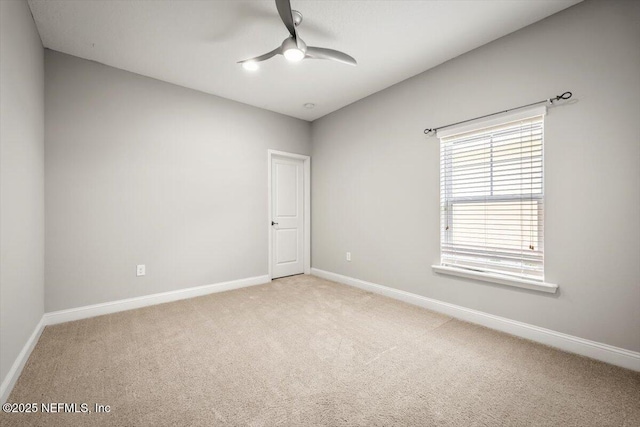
492,194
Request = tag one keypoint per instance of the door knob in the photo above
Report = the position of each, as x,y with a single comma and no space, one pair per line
274,223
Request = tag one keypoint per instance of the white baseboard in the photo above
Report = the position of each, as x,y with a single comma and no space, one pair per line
603,352
78,313
16,369
87,311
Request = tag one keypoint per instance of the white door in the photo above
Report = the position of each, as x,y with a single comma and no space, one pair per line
287,216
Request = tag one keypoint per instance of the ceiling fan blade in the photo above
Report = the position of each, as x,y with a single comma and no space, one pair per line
274,52
333,55
284,9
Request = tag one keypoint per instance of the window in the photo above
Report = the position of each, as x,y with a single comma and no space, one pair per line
492,196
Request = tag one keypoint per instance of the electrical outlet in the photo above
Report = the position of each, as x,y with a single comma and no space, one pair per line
140,270
349,256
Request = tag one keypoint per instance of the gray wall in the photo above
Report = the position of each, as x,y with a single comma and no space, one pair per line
139,171
21,180
375,188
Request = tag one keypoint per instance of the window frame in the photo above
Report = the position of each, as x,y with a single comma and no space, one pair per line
448,201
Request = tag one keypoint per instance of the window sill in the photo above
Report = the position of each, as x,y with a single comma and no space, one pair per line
494,278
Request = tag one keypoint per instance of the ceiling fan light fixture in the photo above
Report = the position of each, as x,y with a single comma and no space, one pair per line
293,50
250,65
293,54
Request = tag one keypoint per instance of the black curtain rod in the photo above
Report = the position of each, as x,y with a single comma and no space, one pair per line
565,96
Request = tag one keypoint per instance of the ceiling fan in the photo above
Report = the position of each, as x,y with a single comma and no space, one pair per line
293,47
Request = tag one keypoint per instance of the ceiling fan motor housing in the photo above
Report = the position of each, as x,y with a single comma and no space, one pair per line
290,43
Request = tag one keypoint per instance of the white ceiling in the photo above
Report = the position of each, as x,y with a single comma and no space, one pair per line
196,44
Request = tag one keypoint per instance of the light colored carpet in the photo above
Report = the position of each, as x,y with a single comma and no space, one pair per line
305,351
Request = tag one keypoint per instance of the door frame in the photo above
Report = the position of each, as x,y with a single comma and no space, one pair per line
307,206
